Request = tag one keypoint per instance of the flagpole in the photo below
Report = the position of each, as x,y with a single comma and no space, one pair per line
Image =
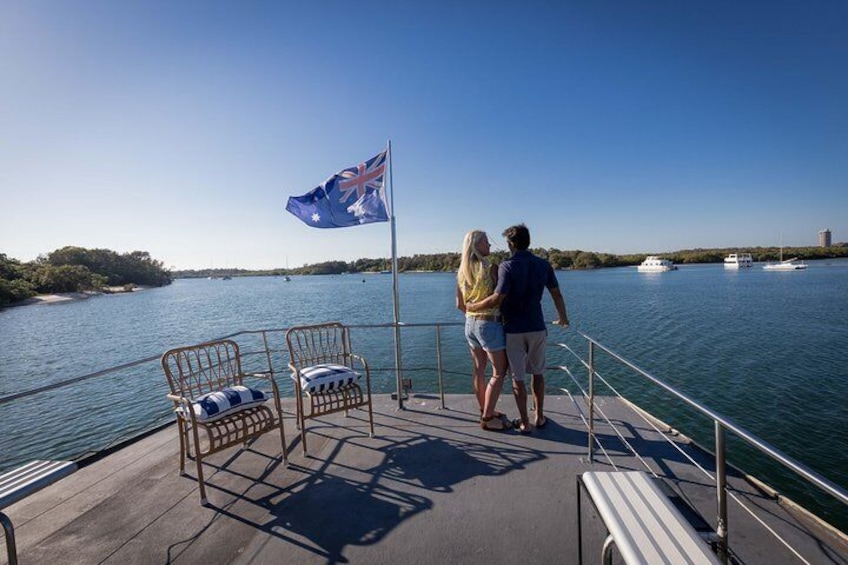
398,357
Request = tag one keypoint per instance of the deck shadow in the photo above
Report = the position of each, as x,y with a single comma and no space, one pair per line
360,492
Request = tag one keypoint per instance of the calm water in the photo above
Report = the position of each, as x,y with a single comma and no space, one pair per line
766,349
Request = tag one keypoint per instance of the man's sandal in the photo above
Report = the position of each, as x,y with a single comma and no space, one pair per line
495,424
521,428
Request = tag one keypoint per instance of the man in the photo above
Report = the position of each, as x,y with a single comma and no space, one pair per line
522,280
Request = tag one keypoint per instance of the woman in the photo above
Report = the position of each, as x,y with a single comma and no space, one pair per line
484,329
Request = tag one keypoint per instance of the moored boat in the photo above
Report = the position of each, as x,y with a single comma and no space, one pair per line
738,261
656,264
787,265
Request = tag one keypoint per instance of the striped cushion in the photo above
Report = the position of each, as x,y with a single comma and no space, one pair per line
226,401
321,378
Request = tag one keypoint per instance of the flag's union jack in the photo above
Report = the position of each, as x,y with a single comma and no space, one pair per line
330,205
362,177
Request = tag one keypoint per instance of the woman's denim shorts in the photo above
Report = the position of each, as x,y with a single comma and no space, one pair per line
483,333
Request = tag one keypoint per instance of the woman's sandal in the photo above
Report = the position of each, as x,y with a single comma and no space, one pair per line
521,428
495,424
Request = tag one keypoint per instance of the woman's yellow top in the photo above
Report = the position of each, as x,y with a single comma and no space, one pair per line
481,287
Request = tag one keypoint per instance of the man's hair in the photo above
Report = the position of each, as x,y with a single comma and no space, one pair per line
518,236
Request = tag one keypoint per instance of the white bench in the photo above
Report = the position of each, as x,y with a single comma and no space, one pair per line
19,483
642,522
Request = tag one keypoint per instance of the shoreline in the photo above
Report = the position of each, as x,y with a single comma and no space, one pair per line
53,298
59,297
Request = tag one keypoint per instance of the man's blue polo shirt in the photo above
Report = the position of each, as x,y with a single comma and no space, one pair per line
523,279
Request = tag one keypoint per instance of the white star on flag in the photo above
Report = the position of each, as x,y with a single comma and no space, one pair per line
316,218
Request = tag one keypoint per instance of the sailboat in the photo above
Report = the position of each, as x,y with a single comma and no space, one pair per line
286,277
787,265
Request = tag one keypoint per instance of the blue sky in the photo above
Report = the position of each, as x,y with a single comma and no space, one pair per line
181,127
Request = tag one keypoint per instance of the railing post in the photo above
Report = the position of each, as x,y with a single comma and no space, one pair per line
721,492
439,363
398,362
267,351
591,402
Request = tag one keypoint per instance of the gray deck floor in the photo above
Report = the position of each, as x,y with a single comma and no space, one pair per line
431,487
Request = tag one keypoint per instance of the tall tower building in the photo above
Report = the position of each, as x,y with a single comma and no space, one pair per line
824,238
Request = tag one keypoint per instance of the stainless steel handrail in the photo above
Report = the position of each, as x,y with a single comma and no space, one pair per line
267,352
729,424
721,423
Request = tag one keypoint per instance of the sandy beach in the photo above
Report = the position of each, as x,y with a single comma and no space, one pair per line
69,296
54,298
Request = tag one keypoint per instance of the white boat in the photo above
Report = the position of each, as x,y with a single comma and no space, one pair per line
655,264
787,265
738,261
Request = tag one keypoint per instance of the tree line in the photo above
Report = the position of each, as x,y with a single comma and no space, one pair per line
573,259
77,269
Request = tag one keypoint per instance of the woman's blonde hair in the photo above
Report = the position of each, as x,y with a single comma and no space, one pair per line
470,260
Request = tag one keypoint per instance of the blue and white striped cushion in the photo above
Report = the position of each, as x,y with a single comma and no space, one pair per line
226,401
321,378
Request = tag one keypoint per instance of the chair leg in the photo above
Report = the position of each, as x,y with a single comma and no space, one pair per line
283,441
182,431
203,500
301,420
198,460
606,551
370,416
11,548
303,436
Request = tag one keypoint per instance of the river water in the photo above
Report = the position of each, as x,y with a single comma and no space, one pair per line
766,349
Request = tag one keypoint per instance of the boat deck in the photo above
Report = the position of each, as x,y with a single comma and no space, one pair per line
430,487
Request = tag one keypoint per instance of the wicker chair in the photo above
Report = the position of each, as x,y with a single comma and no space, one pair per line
209,395
322,367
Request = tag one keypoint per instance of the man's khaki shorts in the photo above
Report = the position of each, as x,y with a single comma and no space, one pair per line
526,353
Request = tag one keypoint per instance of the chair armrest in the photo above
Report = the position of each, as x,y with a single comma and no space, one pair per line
269,376
185,404
361,360
179,399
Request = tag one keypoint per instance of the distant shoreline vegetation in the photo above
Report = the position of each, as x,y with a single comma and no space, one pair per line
567,260
76,269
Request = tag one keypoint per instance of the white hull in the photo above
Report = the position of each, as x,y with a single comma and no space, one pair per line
790,265
653,264
738,261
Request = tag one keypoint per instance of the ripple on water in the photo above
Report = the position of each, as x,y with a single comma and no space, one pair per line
765,349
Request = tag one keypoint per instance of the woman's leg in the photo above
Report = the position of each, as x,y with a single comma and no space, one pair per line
493,390
478,375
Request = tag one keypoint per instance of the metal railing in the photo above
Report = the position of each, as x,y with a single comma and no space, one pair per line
721,425
271,354
263,350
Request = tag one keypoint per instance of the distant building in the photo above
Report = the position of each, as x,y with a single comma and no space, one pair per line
824,238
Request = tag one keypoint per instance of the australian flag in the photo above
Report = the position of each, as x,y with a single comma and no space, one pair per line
350,197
